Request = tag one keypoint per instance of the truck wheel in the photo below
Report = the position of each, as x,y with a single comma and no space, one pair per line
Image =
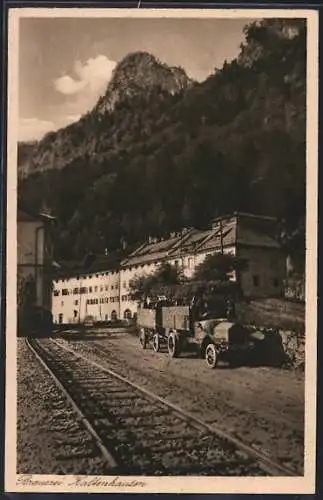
173,345
156,342
211,356
143,339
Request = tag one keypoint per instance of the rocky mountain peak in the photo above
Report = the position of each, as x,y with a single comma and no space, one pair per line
139,73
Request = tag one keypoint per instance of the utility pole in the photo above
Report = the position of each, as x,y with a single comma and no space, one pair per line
221,236
181,251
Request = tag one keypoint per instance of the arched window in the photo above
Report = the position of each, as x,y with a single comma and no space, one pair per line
114,315
127,314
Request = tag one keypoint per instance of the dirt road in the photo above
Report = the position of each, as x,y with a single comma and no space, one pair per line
262,406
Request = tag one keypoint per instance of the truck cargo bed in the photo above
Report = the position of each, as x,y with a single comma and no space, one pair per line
146,318
177,317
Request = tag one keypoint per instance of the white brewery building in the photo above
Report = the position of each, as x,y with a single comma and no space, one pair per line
102,291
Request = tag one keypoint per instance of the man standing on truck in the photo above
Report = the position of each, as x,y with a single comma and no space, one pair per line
197,305
230,309
158,307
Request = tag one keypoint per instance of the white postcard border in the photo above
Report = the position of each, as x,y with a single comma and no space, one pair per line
60,484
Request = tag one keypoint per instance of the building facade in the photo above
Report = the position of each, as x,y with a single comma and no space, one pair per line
93,295
34,259
105,295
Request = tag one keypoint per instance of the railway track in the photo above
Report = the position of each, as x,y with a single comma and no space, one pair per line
139,433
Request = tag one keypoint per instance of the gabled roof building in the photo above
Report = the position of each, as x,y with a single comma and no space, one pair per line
246,236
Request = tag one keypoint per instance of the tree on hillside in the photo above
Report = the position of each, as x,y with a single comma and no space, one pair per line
293,243
166,274
218,267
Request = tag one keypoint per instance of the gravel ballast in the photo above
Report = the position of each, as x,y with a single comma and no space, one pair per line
51,439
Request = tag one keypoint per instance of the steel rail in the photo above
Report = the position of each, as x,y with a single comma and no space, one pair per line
266,463
104,451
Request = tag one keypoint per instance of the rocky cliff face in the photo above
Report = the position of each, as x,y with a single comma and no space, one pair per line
138,73
25,153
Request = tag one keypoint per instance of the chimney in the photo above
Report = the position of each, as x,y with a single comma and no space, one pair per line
123,243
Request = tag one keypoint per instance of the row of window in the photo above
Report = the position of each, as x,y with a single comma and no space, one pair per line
83,290
114,316
125,298
102,300
90,276
187,261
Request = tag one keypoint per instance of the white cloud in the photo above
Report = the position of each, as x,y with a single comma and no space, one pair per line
67,120
68,86
33,128
92,76
91,80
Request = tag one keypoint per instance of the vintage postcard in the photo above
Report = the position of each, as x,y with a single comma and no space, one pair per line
161,250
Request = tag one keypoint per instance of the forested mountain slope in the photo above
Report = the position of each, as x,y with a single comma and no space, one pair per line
159,151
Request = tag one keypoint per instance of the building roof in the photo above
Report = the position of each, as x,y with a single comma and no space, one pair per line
252,238
222,235
151,252
23,216
190,242
238,229
27,215
241,229
105,262
90,265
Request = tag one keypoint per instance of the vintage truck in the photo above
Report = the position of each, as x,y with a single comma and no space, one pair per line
212,339
177,322
202,326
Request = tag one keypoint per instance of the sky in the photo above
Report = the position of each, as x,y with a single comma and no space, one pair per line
65,64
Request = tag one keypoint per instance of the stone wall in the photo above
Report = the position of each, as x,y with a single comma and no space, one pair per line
294,288
275,313
284,316
294,347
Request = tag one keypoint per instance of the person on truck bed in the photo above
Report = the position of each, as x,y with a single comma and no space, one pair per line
230,309
199,307
158,308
